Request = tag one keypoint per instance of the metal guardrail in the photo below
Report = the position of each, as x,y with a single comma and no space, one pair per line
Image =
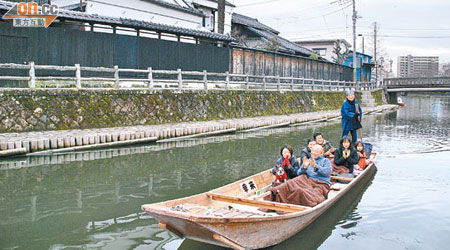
171,79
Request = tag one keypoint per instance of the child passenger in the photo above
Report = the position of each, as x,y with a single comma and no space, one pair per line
363,161
288,162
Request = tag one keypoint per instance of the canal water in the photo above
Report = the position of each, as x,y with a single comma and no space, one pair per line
91,200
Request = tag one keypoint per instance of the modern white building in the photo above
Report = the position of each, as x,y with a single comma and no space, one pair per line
325,47
191,14
417,66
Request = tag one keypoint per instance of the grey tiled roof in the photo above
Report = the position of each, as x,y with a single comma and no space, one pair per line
266,32
84,17
176,7
284,43
251,22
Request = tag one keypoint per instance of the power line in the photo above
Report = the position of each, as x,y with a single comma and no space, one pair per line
326,14
387,28
317,12
302,30
406,36
316,7
318,35
258,3
414,36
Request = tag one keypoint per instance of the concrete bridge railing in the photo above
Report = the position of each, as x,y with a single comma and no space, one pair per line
416,82
52,76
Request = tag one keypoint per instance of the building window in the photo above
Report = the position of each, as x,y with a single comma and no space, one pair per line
320,51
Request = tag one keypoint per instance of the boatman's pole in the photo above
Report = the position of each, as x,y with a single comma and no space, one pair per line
354,42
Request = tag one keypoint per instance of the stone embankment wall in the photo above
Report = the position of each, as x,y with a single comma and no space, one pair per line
380,96
59,109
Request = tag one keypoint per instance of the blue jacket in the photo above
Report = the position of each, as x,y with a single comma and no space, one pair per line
348,113
321,172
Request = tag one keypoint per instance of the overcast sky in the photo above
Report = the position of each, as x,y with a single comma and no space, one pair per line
416,27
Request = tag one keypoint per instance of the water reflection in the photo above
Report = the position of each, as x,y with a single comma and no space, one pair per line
52,159
92,199
67,200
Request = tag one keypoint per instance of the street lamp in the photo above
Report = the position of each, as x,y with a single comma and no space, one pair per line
361,35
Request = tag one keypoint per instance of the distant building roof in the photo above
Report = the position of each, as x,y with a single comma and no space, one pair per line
322,41
359,53
126,22
251,22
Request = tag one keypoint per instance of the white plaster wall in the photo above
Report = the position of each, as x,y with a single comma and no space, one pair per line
329,53
140,10
213,5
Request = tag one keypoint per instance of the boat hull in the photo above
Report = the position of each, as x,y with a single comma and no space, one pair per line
252,233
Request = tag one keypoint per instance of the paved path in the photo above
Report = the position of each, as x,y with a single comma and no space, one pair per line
85,139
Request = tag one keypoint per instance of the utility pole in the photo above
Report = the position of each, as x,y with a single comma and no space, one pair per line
375,51
354,41
221,17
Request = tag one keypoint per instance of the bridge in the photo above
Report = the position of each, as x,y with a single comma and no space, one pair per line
417,84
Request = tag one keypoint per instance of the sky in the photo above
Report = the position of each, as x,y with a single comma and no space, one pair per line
415,27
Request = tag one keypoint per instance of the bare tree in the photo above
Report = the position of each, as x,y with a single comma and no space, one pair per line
241,38
272,44
340,51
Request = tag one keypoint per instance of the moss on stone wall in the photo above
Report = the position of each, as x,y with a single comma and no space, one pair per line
378,96
38,109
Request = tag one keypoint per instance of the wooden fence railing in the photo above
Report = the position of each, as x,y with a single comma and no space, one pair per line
168,79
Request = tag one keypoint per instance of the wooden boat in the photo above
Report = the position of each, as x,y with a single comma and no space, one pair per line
229,216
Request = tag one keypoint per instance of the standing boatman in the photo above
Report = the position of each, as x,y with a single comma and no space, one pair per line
351,116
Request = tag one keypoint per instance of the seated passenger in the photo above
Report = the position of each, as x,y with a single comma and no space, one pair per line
346,155
306,152
287,161
307,189
327,148
363,161
318,167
